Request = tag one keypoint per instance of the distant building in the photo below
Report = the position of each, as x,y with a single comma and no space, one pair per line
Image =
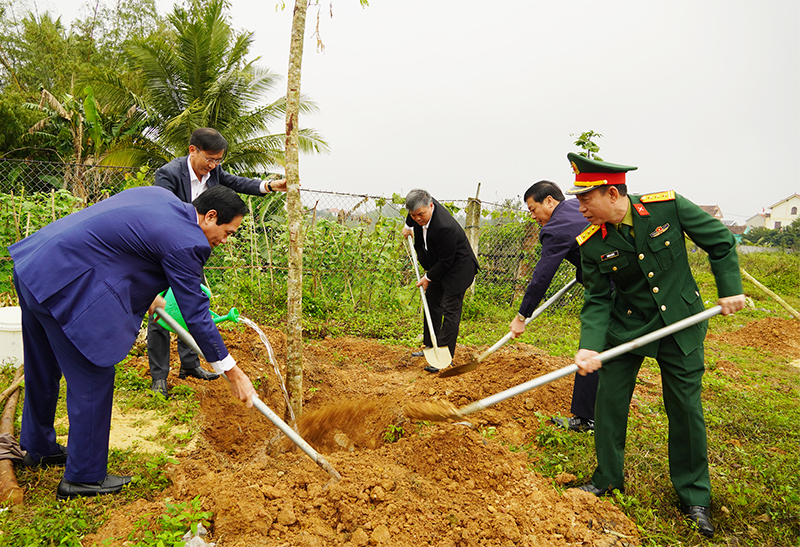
783,213
757,221
712,210
738,232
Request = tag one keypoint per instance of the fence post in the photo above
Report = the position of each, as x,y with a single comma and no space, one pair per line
473,226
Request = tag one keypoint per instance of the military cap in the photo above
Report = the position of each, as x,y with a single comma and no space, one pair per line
590,174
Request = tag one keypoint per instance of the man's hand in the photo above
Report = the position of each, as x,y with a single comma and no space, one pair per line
517,327
407,232
159,302
278,185
423,283
585,359
241,387
731,304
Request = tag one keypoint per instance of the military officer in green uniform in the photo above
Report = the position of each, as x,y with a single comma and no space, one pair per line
638,242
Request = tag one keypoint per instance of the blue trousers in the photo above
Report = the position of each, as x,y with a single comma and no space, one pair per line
48,355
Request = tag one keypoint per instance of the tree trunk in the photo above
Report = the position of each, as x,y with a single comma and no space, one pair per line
294,304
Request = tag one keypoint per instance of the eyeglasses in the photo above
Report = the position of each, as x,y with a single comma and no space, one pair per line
211,160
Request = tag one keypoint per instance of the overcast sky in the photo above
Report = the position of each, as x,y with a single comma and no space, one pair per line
702,95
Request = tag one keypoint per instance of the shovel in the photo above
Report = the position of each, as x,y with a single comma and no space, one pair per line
443,411
260,406
437,357
473,364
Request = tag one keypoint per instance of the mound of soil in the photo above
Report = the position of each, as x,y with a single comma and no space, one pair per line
778,336
449,484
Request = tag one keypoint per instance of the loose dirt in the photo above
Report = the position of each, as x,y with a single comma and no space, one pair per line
442,484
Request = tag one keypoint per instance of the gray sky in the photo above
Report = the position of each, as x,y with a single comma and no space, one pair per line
702,95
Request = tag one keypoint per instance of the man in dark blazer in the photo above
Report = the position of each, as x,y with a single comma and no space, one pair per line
561,223
84,284
638,243
187,177
444,251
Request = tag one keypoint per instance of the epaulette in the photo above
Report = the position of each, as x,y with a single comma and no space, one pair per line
586,234
669,195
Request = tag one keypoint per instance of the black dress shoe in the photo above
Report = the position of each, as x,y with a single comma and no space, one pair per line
198,372
160,386
592,489
53,460
431,369
574,424
417,354
701,517
109,485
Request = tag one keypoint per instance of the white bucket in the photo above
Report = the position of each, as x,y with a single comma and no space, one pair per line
11,336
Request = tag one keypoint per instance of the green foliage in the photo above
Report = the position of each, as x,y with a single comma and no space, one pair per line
393,433
585,141
49,523
785,238
177,519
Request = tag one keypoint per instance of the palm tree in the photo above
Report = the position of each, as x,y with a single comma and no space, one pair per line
197,74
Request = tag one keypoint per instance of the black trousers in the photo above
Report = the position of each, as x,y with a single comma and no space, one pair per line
584,395
445,315
158,352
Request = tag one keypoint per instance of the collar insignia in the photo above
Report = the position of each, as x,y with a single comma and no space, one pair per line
641,210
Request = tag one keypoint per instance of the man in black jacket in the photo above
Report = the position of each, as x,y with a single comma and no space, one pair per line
445,253
187,177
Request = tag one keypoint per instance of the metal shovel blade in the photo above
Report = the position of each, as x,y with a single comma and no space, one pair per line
438,358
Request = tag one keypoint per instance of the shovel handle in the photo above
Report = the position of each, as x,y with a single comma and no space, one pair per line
550,301
184,335
604,356
410,241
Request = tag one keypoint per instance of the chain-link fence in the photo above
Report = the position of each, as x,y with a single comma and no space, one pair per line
353,257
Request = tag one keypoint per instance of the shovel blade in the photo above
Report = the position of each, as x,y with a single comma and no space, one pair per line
438,358
460,369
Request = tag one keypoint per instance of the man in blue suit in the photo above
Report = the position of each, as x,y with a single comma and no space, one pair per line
84,284
187,177
561,223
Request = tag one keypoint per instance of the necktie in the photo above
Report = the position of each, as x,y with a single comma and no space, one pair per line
625,232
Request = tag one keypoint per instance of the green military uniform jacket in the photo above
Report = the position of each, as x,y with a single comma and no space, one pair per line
653,283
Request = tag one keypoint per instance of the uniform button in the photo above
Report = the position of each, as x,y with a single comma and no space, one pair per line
666,243
650,274
655,289
614,268
697,293
641,256
663,308
629,312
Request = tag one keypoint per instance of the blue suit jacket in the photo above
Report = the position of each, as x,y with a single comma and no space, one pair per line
175,177
558,243
98,270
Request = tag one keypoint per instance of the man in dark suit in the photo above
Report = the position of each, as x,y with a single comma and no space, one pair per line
561,223
638,243
444,251
84,284
187,177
